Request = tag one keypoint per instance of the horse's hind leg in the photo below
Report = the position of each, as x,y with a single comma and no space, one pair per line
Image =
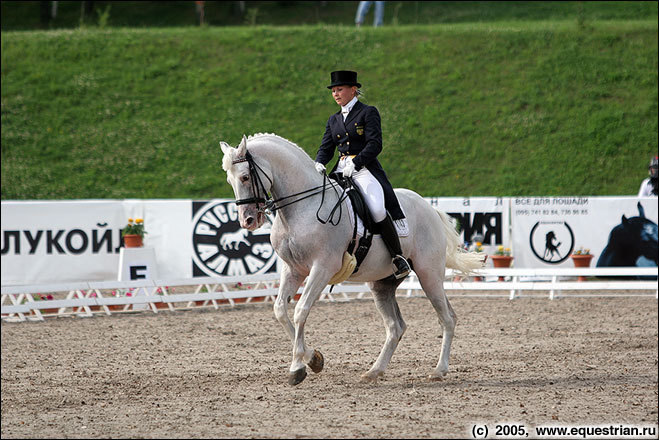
433,286
384,292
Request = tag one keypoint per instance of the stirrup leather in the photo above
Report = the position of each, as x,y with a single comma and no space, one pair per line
401,267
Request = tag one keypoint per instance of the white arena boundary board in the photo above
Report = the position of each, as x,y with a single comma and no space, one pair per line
87,299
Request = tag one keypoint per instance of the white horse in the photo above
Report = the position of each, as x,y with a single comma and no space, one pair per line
267,163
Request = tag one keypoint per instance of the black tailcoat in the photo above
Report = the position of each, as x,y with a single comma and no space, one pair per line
359,135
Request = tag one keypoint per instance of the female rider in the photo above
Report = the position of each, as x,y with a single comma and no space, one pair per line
355,130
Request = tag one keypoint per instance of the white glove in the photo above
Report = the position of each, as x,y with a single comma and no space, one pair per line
320,167
348,168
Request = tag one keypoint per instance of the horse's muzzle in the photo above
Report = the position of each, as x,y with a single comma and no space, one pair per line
250,218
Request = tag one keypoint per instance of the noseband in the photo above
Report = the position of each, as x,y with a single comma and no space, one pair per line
262,197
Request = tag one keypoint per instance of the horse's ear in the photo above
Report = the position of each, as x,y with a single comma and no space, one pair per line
641,211
624,219
242,148
225,147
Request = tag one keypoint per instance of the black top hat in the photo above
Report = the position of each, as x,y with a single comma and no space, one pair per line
344,78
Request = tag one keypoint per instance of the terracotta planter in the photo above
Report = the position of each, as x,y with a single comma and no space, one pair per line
116,307
581,260
501,261
132,241
47,311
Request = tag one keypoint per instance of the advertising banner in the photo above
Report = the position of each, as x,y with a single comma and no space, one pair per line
487,217
79,240
61,241
617,231
47,242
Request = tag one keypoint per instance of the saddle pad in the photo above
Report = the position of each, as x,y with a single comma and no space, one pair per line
402,228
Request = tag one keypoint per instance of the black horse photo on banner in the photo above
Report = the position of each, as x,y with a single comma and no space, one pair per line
632,243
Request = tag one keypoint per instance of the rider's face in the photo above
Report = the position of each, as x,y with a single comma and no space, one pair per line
343,94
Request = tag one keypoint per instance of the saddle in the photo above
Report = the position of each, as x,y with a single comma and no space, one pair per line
357,248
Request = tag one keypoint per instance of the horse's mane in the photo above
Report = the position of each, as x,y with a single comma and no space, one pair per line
291,143
226,161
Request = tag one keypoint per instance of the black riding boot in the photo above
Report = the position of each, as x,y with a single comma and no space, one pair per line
390,238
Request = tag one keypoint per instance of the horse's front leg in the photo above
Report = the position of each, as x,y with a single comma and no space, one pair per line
318,278
289,282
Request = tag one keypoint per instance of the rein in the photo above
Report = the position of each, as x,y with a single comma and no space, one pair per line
261,195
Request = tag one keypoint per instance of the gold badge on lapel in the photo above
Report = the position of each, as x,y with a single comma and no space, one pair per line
360,130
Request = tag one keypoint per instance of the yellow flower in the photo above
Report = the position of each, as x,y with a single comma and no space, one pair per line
136,228
581,251
502,251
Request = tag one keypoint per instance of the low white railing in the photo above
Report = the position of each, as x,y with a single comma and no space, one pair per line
84,299
555,281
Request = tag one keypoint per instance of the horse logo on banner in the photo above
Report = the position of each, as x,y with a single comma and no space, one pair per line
552,241
222,248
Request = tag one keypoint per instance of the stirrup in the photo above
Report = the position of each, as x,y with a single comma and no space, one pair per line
401,267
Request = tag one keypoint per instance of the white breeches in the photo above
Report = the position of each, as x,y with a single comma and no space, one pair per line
370,188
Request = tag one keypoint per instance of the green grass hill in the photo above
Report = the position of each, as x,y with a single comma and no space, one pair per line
500,108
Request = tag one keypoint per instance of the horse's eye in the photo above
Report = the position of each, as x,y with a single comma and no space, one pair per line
244,178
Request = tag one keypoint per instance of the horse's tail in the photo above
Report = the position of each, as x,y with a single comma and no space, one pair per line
456,257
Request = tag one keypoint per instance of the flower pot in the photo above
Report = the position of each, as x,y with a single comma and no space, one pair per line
132,241
46,311
501,261
581,260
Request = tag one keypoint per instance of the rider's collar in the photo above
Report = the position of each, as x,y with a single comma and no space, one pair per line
348,107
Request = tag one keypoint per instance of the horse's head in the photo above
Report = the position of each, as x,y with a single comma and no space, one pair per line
649,247
635,237
645,236
249,182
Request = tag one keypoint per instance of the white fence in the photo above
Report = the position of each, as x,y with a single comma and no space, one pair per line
86,299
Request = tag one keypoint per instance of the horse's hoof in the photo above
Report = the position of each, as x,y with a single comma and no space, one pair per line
297,376
370,377
436,377
317,362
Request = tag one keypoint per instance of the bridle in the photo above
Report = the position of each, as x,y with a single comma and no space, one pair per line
255,179
270,205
